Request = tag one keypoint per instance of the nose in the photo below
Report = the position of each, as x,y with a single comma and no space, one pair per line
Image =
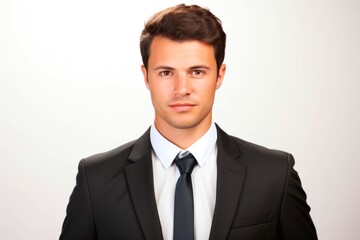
182,85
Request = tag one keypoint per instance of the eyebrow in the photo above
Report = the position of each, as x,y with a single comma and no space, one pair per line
199,66
163,67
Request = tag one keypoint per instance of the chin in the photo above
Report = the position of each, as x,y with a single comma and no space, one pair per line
186,124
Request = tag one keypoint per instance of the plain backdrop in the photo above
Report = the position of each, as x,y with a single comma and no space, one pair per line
71,86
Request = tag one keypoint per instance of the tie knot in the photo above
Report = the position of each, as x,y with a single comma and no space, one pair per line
185,164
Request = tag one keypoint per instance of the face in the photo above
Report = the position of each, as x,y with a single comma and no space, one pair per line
182,78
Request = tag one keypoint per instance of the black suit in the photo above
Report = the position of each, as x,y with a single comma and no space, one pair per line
259,195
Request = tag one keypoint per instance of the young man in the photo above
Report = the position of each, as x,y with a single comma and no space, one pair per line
185,178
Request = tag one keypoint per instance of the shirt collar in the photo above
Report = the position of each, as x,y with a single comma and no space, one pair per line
166,151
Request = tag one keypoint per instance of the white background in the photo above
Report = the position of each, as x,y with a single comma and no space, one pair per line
71,86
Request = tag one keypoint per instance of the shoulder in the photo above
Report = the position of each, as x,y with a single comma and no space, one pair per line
106,164
263,157
265,168
119,153
250,148
255,154
119,157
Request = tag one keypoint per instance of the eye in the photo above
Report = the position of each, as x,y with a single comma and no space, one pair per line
165,73
197,72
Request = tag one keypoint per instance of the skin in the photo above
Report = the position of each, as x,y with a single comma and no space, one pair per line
182,78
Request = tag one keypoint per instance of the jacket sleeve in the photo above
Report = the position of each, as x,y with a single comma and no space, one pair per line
295,220
79,221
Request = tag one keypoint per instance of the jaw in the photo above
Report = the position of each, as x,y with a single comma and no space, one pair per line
183,129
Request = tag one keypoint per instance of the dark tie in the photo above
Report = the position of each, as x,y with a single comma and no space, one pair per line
184,204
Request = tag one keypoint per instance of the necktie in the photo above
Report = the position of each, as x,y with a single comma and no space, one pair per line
184,204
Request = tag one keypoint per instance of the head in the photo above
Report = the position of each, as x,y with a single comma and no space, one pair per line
182,23
183,49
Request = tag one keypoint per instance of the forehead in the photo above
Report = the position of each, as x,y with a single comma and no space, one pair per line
165,51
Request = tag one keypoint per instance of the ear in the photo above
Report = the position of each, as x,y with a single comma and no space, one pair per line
221,75
144,72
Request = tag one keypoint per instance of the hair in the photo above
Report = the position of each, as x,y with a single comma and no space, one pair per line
182,23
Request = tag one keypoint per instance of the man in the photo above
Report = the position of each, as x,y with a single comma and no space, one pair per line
218,187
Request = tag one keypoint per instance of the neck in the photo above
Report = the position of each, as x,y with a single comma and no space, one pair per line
183,137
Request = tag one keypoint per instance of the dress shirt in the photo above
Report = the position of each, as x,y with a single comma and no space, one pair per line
203,180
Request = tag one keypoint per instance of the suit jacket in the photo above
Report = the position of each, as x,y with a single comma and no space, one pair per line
259,195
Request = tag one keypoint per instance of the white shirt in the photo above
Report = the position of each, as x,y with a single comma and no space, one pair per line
203,180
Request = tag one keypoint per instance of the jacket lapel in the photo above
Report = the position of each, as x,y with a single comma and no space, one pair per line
230,180
141,185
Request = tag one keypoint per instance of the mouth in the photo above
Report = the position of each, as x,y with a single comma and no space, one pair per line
182,107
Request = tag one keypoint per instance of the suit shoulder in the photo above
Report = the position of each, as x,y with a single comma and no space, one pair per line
231,142
271,164
261,154
119,154
259,149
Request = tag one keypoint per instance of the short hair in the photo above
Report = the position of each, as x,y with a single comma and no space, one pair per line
184,22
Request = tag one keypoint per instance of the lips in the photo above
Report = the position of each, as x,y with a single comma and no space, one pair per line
182,107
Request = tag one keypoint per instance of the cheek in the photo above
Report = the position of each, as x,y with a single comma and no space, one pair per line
208,93
207,89
159,92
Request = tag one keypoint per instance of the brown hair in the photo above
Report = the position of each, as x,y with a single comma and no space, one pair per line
181,23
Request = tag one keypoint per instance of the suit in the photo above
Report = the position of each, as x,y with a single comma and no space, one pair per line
259,195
